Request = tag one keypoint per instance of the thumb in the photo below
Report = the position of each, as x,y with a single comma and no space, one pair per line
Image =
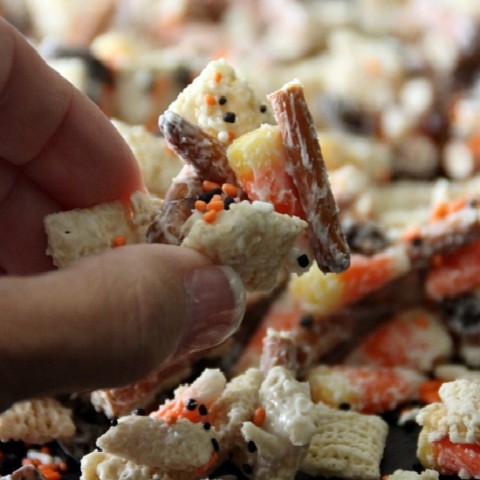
111,318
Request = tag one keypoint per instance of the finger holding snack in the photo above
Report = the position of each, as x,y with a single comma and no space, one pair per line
107,319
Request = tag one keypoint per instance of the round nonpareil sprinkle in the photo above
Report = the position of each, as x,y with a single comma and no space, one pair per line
209,99
303,261
207,186
229,190
229,117
215,205
210,216
251,446
201,206
259,416
119,241
215,445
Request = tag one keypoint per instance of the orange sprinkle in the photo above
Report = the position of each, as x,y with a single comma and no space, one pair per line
259,416
216,198
217,76
210,216
231,136
209,99
45,449
207,185
229,190
119,241
201,206
428,391
216,205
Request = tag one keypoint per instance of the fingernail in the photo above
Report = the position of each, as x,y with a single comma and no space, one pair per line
215,309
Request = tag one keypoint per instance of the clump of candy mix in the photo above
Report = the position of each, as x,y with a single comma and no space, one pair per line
329,152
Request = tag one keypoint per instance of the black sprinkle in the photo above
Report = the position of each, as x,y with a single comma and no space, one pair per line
229,117
344,406
113,422
303,261
222,100
207,426
263,108
215,444
247,469
251,446
227,202
207,196
191,404
202,409
139,411
306,321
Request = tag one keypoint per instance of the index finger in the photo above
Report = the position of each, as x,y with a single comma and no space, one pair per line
60,139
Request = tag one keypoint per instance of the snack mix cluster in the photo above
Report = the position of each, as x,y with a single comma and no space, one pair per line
329,152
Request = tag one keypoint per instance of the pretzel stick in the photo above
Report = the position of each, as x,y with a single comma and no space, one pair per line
306,167
204,153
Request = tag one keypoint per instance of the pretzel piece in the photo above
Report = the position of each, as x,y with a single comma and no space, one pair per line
204,153
175,210
306,166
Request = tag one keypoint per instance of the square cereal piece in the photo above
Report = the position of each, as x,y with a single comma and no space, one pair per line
81,232
346,445
36,421
251,238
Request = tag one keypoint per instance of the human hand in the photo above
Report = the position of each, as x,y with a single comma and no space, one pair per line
108,319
